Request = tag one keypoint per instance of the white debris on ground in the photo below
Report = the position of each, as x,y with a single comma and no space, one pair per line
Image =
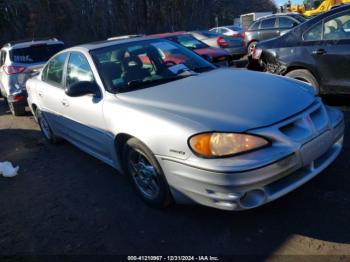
7,169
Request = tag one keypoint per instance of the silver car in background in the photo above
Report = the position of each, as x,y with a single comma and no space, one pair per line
234,45
182,129
18,61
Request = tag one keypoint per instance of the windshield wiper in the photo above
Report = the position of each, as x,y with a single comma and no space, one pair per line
139,84
202,69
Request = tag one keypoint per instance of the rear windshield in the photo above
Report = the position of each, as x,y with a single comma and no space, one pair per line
189,42
35,53
210,34
255,26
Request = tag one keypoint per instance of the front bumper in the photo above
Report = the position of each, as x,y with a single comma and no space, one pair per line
251,188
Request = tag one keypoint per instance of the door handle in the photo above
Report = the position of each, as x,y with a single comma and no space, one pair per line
65,102
319,52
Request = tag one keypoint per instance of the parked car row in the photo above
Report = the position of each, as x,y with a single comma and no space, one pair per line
182,128
270,26
18,61
316,52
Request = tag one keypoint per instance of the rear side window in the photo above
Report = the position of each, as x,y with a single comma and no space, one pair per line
268,23
53,72
255,26
35,53
2,58
286,22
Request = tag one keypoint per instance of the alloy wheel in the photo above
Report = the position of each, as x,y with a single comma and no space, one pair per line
144,174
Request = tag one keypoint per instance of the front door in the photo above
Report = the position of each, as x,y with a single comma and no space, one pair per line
84,114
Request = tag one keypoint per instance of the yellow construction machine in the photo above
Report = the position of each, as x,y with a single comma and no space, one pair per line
314,7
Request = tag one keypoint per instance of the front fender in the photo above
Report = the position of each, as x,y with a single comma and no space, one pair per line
163,133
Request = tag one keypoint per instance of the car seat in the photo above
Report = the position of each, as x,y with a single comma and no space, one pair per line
133,69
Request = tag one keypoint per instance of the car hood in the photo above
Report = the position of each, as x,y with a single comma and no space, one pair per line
212,52
225,99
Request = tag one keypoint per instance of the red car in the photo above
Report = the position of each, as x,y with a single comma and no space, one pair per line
217,56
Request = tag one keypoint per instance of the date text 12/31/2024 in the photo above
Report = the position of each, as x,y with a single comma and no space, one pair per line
173,258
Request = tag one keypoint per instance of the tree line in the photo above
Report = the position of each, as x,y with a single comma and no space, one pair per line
78,21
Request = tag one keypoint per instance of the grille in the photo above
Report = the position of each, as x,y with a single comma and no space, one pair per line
313,122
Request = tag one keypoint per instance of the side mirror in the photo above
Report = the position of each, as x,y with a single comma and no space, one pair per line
82,88
208,58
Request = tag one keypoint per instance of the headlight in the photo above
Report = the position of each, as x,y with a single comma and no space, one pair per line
214,145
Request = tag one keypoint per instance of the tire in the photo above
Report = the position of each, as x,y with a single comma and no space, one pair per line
305,76
45,128
146,174
17,110
251,46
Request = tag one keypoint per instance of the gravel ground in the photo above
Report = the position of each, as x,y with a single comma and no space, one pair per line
65,202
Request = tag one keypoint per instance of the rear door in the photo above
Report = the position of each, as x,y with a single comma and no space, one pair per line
50,93
268,29
84,114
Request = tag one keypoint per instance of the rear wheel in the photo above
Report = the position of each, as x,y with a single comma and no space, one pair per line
305,76
146,174
16,109
45,128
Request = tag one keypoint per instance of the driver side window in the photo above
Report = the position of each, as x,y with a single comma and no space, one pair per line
78,70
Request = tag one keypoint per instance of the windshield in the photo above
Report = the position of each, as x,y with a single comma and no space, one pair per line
147,63
299,18
189,41
235,28
37,53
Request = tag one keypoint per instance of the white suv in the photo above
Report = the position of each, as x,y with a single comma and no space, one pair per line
18,61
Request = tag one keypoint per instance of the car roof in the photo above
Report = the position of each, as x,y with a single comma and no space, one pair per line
29,42
107,43
277,15
163,35
120,37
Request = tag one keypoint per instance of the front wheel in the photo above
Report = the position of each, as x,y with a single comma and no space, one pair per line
146,174
305,76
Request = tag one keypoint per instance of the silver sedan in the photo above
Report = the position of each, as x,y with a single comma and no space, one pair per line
182,129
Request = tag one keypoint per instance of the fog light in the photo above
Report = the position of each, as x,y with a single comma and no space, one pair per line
253,198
